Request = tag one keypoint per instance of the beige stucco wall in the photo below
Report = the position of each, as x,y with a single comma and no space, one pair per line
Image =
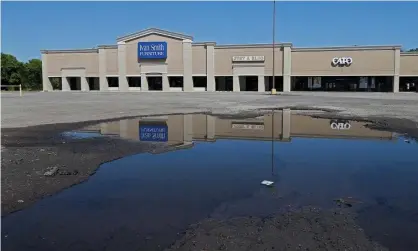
87,60
224,128
112,61
174,59
128,129
223,59
409,64
365,62
112,128
199,126
199,59
175,126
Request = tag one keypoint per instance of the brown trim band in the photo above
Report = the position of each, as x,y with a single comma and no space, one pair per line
252,45
348,48
410,53
70,51
114,46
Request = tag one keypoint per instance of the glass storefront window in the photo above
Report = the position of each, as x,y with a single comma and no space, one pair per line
343,83
408,84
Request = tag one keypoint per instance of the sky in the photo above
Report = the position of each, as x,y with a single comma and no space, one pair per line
28,27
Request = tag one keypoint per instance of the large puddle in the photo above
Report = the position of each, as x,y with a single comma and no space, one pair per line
143,202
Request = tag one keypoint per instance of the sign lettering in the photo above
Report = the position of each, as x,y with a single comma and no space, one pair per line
342,61
340,125
248,126
248,58
152,50
157,133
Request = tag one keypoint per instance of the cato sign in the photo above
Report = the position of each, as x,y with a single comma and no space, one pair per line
342,61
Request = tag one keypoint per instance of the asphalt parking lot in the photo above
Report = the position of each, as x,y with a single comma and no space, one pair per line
38,108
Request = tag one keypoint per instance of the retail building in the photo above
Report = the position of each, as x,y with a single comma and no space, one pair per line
160,60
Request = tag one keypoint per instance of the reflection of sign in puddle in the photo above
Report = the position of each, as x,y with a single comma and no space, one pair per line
248,126
81,135
340,124
150,132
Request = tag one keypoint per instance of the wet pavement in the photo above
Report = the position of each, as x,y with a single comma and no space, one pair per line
214,170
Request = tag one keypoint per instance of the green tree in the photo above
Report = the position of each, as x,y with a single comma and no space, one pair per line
32,75
14,72
11,70
411,50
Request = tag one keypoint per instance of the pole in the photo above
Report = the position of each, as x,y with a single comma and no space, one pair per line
273,90
272,144
20,90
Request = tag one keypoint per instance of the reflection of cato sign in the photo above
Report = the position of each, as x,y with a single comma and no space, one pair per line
343,61
340,125
152,50
153,133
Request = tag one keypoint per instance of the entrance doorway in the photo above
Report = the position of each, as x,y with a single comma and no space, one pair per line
155,83
224,83
93,83
200,83
74,83
248,83
176,83
134,82
113,83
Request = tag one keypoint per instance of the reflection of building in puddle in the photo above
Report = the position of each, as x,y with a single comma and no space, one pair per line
308,127
175,130
181,130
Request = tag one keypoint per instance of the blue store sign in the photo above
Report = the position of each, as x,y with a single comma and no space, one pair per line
152,50
158,133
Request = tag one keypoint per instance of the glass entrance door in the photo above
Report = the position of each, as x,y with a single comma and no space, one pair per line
155,83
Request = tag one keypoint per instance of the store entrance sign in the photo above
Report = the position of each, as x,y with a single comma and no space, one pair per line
248,126
248,59
154,133
342,61
152,50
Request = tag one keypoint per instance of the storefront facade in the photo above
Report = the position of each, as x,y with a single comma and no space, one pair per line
159,60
